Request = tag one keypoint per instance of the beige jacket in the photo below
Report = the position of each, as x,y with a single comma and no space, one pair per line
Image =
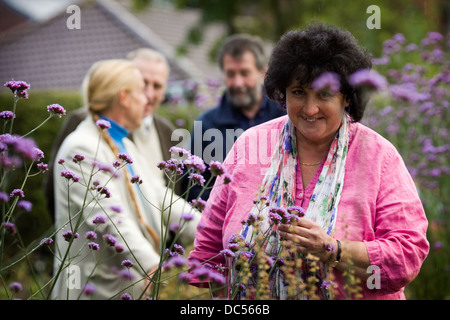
103,267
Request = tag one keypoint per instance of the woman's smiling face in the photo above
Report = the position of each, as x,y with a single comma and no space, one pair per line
316,114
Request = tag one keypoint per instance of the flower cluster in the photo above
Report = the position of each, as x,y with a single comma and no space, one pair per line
19,88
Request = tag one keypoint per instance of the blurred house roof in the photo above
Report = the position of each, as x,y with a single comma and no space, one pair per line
40,49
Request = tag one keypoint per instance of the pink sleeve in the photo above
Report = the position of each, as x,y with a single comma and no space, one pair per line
400,245
209,235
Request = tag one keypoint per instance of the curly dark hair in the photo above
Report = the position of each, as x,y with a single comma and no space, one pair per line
306,54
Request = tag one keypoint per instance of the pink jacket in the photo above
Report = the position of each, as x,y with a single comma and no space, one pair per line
379,204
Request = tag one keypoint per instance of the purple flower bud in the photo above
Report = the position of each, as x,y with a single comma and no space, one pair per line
368,78
119,248
77,158
46,241
89,289
15,287
196,163
69,175
187,216
110,240
90,235
197,179
68,235
125,158
227,253
328,80
126,296
99,220
10,227
93,246
103,124
199,204
127,263
136,179
43,167
216,168
19,88
17,193
7,115
4,197
24,205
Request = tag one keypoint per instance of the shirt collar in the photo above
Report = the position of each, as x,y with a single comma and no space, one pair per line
117,132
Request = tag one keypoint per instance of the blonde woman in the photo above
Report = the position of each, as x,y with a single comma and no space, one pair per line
106,247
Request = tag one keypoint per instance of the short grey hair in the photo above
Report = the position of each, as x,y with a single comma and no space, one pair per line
148,54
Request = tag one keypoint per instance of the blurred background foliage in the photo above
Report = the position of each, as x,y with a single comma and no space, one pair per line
270,19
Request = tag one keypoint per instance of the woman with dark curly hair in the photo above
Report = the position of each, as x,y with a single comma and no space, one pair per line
361,214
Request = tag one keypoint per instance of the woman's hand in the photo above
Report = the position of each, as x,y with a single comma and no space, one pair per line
308,237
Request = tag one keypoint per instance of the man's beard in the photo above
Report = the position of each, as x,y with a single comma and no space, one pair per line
246,100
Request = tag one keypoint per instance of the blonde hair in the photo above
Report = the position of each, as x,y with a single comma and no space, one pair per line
104,80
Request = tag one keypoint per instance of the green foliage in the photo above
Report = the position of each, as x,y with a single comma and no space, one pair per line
270,19
30,113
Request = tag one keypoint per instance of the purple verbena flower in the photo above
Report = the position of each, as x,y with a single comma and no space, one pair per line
105,191
56,109
17,193
103,124
43,167
10,227
179,151
275,218
126,296
197,179
68,235
368,78
296,210
227,178
198,204
196,163
89,289
187,216
116,208
69,175
4,197
216,168
125,158
7,115
178,249
176,261
327,80
15,287
110,240
99,220
136,179
77,158
19,88
93,246
119,248
46,241
25,205
227,253
90,235
127,263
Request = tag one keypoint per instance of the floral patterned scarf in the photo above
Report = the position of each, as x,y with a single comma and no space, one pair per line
279,188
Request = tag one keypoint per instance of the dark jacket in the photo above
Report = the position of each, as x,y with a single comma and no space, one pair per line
229,122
